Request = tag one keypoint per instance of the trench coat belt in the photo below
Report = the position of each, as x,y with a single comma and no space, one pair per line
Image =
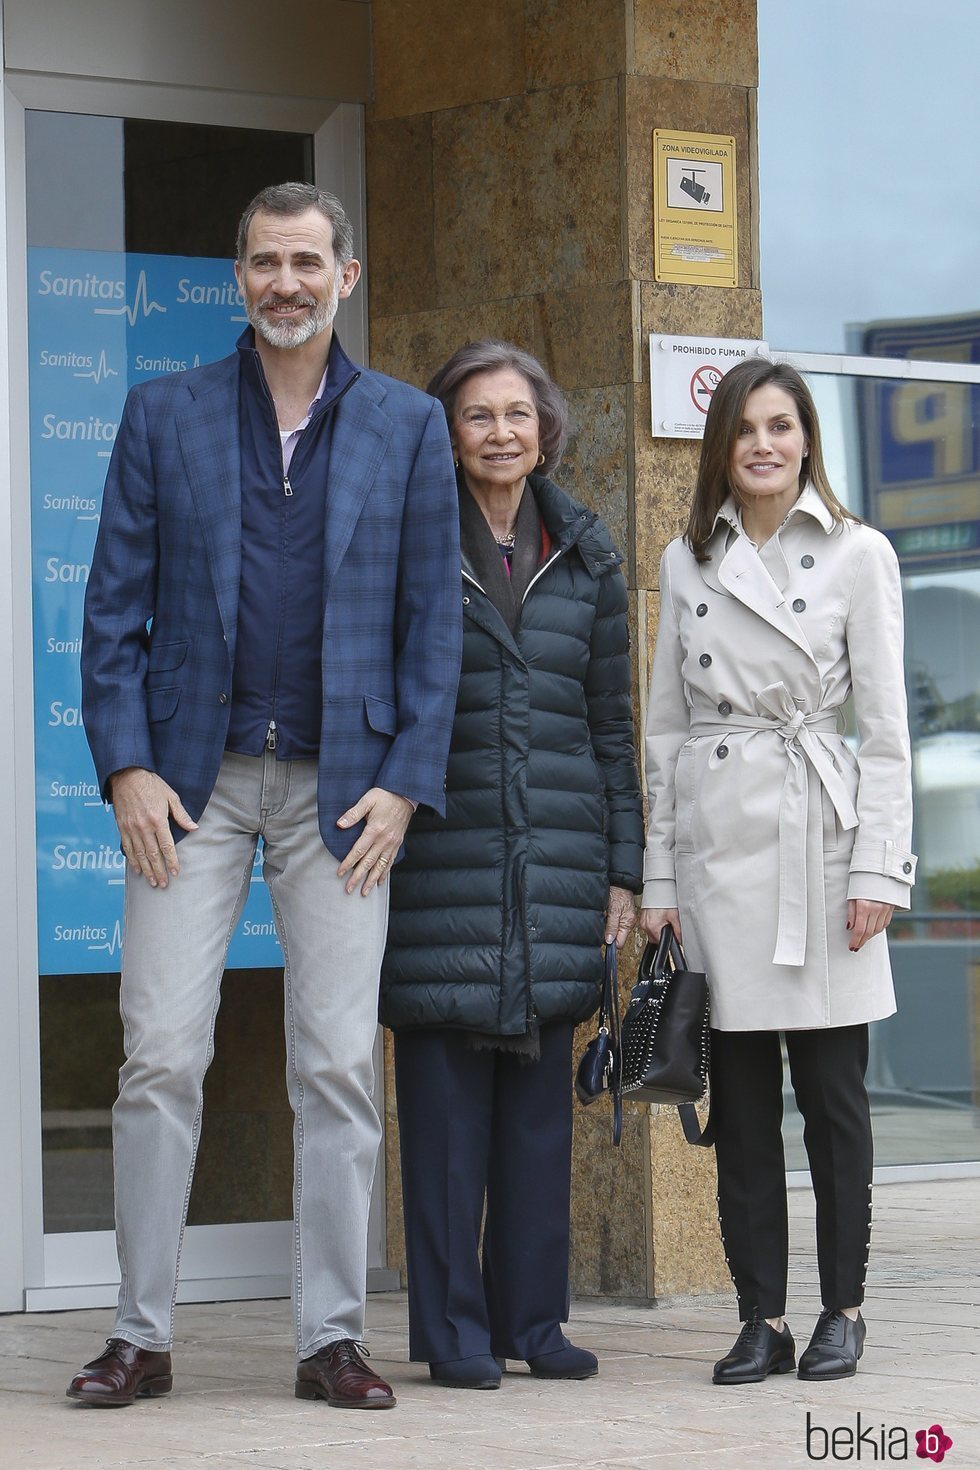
802,749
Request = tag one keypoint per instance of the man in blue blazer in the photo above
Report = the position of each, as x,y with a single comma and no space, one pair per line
271,649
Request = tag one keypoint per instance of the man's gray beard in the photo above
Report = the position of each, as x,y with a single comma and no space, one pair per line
294,334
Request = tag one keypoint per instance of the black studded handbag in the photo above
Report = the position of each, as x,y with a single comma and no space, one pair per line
665,1036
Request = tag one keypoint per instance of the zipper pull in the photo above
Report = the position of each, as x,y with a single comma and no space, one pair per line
272,735
287,489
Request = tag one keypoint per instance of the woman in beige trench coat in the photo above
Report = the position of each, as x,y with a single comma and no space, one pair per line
776,853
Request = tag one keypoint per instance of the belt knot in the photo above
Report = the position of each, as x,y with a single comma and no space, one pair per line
792,727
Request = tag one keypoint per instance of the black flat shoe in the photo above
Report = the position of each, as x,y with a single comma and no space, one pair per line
478,1372
566,1362
834,1348
757,1351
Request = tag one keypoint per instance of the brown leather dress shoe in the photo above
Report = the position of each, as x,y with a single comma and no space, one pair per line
120,1375
340,1375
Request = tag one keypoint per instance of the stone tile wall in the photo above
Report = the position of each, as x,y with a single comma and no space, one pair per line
509,192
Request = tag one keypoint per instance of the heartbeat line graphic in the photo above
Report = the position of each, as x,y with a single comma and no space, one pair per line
102,369
141,303
114,943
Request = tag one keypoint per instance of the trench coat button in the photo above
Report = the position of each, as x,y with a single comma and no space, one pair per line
222,699
705,660
906,867
799,605
721,752
701,609
724,708
806,561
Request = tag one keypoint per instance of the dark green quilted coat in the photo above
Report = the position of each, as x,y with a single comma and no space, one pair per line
497,910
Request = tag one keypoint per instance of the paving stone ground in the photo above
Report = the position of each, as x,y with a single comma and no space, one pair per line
653,1405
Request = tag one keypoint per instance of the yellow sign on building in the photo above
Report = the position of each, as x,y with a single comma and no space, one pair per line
695,239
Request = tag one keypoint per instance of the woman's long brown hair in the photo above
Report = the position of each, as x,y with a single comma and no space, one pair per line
725,414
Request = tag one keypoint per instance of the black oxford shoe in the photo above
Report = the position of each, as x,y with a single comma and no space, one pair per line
758,1351
834,1348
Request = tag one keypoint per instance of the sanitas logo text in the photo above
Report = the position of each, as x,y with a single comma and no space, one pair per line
193,293
63,714
93,427
88,285
77,859
56,570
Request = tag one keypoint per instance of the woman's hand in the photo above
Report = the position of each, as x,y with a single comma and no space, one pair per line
866,917
620,916
652,922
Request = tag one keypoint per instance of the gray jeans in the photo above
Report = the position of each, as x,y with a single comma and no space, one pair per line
175,943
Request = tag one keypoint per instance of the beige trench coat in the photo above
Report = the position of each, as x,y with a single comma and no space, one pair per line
763,823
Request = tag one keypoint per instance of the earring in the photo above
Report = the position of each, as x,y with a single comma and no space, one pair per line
541,458
456,463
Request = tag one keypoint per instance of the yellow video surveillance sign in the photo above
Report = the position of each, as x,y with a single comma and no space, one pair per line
695,239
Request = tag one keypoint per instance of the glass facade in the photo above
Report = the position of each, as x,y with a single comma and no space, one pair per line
879,229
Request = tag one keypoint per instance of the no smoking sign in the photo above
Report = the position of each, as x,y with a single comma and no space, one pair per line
684,373
703,384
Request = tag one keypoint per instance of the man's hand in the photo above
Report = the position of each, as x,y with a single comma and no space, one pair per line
387,817
620,916
652,922
866,917
142,803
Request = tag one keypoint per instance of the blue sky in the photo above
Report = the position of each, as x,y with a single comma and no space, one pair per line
869,122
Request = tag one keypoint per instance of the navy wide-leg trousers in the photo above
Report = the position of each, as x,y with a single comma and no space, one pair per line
484,1129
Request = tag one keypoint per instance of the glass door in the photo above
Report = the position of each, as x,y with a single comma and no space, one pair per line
130,226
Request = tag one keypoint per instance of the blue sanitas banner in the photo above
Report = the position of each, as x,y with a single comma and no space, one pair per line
99,321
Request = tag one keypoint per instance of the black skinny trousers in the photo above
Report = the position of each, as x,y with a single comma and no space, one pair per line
827,1068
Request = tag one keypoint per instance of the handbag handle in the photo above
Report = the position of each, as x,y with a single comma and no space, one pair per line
610,1010
668,947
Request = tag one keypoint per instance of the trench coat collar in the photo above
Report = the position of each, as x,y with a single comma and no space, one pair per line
808,502
736,568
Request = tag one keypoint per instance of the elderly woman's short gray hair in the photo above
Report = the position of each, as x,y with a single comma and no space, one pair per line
488,356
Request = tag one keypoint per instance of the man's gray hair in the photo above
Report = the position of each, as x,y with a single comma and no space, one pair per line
289,199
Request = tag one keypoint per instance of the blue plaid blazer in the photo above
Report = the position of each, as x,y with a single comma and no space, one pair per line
158,645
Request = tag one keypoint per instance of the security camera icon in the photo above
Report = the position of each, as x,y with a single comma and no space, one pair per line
691,186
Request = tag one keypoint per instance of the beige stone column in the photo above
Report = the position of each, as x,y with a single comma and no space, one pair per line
509,190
